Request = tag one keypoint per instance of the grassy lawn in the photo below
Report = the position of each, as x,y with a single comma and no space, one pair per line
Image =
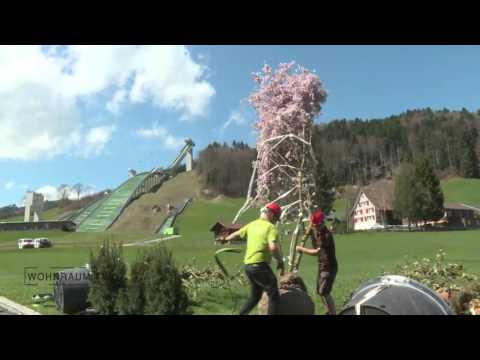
462,190
361,256
339,205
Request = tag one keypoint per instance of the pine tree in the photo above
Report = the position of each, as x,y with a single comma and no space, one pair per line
324,196
469,161
109,277
431,205
408,198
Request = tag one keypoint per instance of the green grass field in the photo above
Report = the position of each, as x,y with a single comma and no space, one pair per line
361,256
462,191
340,209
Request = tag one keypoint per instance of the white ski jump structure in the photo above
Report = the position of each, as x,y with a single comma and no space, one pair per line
101,215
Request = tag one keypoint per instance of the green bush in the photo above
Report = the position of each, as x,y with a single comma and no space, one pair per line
155,286
132,299
108,278
437,274
164,291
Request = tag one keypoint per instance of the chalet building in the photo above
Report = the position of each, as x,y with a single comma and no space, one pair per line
373,209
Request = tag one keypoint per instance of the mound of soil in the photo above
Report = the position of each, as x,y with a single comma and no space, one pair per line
294,298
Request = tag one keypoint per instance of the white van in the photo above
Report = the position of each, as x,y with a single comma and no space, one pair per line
26,244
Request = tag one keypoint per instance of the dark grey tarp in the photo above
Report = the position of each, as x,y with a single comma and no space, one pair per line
395,295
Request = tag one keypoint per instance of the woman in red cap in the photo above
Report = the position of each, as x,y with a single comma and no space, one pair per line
324,248
262,244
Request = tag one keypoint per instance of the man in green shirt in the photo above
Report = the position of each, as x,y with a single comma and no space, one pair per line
262,243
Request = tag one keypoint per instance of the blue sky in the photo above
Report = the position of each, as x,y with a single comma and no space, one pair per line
88,114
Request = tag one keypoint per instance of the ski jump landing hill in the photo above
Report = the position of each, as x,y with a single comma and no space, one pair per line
101,215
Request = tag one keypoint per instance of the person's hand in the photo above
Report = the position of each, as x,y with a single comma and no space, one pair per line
299,248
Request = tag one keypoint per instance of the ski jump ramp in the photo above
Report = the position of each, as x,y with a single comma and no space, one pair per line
100,215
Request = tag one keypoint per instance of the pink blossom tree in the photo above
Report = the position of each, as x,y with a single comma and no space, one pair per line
287,101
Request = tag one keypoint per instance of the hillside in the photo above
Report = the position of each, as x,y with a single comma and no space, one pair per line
139,216
460,190
363,150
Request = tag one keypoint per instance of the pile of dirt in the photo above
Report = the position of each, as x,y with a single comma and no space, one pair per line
294,298
474,307
292,281
461,301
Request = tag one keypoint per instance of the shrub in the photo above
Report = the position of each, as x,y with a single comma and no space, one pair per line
108,277
441,276
436,273
196,279
132,299
155,286
164,291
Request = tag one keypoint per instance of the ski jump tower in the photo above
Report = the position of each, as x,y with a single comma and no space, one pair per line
33,207
186,153
189,157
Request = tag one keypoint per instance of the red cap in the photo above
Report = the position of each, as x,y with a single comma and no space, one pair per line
317,217
275,208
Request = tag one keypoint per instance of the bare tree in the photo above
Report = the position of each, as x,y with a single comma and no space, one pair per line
78,187
63,191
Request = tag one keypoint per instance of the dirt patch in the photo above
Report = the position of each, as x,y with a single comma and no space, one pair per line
218,199
294,298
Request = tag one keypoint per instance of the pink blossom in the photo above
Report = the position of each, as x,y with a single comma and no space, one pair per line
287,102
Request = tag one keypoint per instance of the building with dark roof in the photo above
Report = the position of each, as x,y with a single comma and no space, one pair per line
373,209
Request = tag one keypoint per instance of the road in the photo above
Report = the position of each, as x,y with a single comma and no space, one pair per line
3,311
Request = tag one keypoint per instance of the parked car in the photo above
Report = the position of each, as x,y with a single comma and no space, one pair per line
42,243
26,244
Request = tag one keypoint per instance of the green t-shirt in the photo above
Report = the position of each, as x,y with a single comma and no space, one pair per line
259,234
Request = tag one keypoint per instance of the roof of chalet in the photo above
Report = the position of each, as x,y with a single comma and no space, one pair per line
457,206
379,193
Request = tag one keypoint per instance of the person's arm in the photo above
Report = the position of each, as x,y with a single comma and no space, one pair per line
233,236
275,250
307,251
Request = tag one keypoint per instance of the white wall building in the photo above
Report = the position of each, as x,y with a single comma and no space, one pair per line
373,206
364,213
